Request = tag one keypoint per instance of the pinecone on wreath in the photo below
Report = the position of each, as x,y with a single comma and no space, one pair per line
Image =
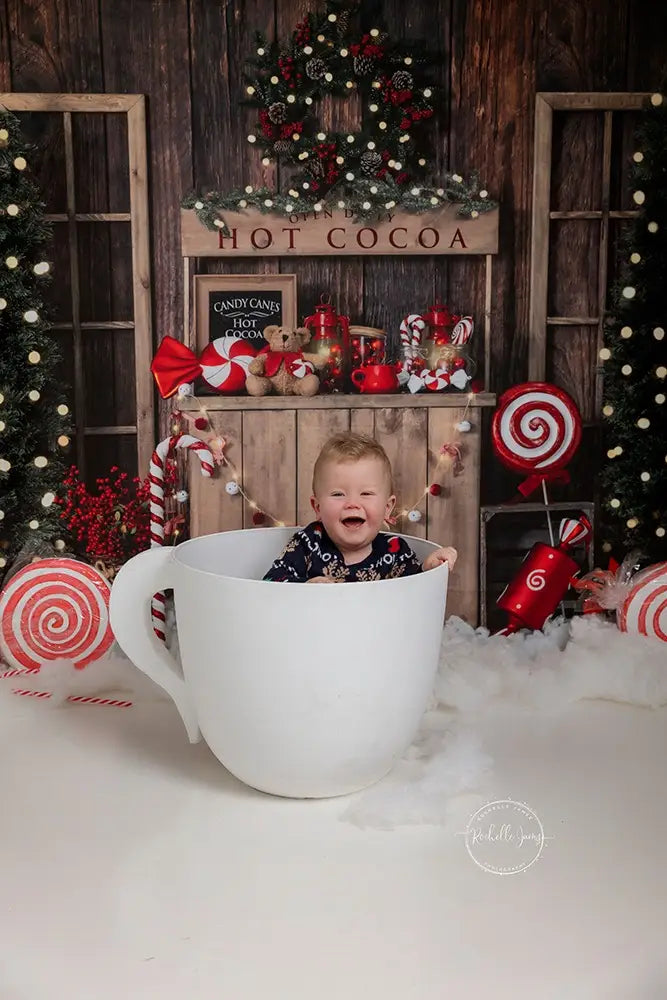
342,22
282,146
277,112
315,68
370,162
363,65
402,80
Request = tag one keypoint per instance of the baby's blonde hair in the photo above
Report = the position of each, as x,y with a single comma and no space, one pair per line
350,447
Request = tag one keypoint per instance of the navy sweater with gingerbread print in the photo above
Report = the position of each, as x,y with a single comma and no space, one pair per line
310,552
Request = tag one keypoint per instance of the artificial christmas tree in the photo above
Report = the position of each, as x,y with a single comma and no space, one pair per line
634,477
34,423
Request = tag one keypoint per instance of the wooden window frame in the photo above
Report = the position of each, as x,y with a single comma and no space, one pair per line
134,106
545,105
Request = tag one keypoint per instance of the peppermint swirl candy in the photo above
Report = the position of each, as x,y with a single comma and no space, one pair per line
55,609
536,428
645,608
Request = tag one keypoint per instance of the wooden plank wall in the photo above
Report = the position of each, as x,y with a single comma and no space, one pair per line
187,57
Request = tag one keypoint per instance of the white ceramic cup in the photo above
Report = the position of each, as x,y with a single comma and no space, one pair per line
302,690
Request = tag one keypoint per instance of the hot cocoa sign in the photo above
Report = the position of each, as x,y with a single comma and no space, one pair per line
250,233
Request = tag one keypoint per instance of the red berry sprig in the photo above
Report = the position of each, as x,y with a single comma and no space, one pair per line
112,523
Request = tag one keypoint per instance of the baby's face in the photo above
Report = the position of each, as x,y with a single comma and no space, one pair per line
352,500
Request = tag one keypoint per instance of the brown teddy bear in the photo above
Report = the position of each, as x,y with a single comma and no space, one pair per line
282,367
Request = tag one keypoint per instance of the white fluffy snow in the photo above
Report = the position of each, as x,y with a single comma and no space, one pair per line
535,672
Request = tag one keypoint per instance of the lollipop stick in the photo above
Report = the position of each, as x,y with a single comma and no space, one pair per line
551,530
546,505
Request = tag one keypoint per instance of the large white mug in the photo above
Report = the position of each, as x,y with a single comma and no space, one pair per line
299,690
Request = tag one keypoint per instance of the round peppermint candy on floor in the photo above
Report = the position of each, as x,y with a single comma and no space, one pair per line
645,608
55,609
224,363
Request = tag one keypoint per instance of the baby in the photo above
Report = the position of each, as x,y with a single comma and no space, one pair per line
352,497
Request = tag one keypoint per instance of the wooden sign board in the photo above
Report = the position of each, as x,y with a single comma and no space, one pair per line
242,305
334,233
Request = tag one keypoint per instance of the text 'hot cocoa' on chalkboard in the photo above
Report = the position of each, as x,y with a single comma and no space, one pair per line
243,314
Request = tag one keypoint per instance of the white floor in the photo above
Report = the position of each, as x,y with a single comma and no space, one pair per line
133,866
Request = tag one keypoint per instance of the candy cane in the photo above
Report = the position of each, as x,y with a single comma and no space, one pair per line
156,478
411,335
462,332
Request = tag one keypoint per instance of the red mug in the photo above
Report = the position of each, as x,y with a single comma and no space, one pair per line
375,378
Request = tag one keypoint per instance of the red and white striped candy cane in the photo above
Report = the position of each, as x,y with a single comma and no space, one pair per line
462,332
156,477
411,335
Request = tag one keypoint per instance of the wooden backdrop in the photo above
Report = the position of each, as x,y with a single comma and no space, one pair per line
187,56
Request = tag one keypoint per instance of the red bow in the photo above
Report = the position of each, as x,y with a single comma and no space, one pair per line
532,483
173,365
274,359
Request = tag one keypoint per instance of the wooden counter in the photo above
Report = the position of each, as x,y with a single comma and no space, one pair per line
274,441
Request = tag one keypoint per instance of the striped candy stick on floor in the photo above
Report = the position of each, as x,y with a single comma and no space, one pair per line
74,699
156,478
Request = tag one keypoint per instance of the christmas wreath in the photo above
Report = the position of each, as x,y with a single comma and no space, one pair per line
381,167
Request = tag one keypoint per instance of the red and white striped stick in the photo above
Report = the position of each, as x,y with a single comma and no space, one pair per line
156,477
74,699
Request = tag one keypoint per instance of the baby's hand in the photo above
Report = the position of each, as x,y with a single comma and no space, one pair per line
321,579
448,555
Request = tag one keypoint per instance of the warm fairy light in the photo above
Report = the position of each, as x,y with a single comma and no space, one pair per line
34,357
33,524
63,410
615,503
33,395
41,461
42,268
48,499
632,522
605,354
63,440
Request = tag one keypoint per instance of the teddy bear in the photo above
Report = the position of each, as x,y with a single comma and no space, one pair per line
283,367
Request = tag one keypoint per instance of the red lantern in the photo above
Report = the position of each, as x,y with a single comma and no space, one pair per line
440,323
330,333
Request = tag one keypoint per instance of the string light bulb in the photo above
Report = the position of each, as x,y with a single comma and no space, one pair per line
44,267
41,461
20,163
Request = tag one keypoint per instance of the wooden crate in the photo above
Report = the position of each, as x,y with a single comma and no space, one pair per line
273,441
507,533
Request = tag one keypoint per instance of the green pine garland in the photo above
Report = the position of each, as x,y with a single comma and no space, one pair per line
382,167
634,478
30,425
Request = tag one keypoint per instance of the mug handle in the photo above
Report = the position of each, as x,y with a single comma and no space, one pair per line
130,614
358,376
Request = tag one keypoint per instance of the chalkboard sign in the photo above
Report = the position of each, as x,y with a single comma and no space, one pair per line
242,305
